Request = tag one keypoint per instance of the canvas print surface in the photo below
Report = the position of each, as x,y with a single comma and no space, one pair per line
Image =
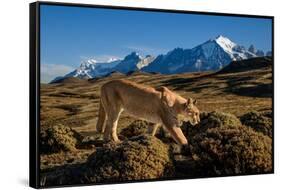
130,95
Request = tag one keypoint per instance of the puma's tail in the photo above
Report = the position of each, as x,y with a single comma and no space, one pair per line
101,119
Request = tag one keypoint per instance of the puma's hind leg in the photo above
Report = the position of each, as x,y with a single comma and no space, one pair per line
112,108
110,132
100,127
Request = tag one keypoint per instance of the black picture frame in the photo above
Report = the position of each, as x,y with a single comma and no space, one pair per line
34,80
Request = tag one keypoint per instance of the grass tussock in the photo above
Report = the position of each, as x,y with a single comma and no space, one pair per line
136,128
141,157
59,138
221,145
261,122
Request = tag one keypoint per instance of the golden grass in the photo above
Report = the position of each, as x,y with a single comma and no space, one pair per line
76,105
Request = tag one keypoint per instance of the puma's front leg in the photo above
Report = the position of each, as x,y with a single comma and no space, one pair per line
152,129
172,126
177,135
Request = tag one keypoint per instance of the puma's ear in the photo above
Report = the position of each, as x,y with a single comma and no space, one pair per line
167,97
195,102
189,101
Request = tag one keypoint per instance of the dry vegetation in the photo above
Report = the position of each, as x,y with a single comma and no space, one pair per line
221,145
235,139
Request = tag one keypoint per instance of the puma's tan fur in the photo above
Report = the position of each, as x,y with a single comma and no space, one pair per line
160,107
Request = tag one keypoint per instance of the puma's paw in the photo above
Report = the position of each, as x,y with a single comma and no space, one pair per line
118,141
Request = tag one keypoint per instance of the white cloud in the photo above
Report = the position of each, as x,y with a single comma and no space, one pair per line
51,71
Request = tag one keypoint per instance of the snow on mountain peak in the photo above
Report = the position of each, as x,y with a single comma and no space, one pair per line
87,64
145,61
112,59
236,52
211,55
133,62
225,43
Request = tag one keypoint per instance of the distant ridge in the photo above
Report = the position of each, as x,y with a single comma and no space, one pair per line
114,73
211,55
69,80
249,64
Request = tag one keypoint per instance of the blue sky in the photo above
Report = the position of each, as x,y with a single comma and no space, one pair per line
71,34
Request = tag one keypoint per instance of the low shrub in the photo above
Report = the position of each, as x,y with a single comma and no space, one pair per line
141,157
261,122
59,138
223,146
136,128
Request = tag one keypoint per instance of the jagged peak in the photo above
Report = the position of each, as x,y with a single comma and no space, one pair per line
132,55
252,49
175,60
112,59
221,36
88,61
225,42
177,49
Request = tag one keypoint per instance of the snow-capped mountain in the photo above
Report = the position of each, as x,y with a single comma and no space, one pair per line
214,54
211,55
133,62
92,69
145,61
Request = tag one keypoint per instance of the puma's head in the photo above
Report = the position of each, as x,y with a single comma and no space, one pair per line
191,112
185,107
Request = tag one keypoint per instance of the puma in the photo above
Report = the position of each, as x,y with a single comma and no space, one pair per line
159,106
